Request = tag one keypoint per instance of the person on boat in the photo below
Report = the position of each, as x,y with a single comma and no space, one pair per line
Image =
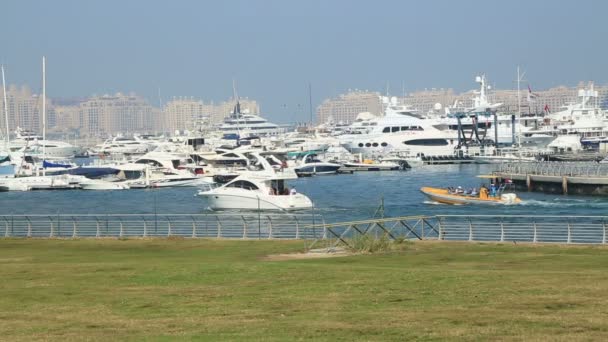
474,192
459,190
483,193
273,191
493,190
293,191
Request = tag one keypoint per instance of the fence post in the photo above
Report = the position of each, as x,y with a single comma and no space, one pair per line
98,231
534,239
502,230
297,227
145,227
52,228
6,229
244,227
29,228
121,229
269,227
169,228
324,228
219,227
193,227
604,231
440,226
74,232
569,232
470,230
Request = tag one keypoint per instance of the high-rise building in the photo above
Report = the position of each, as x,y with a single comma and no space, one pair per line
183,113
102,115
346,107
67,118
25,109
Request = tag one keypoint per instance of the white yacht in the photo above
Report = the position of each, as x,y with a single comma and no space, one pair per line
240,124
122,145
34,145
256,193
400,129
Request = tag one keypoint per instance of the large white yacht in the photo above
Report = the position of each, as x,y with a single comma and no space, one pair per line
400,129
33,145
240,124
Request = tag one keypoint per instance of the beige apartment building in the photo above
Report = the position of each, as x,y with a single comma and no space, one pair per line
25,109
346,107
111,114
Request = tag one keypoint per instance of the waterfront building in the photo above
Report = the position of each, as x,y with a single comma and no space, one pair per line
345,108
110,114
25,109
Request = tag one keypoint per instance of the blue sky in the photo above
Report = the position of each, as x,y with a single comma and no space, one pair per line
274,49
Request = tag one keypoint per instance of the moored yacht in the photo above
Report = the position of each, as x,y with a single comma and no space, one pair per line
239,124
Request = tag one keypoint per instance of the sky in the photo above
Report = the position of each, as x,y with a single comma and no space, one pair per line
274,50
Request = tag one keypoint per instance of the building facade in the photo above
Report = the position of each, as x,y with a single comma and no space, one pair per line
103,115
345,108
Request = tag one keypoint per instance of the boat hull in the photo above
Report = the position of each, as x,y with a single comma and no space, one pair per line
443,196
223,201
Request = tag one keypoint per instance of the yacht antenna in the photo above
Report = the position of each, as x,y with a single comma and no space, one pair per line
5,109
43,113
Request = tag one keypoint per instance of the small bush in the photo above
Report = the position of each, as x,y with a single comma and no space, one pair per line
370,244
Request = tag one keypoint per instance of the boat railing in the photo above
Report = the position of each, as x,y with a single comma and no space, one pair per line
571,169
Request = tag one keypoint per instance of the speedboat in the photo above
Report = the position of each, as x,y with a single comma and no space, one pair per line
370,165
256,193
311,165
447,197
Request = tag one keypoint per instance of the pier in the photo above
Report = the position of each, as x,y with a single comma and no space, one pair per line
581,178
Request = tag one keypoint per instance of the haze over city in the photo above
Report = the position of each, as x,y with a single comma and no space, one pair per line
274,49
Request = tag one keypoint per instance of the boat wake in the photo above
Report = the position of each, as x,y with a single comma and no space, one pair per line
566,203
439,203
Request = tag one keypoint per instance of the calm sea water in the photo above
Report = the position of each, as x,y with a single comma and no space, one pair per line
337,198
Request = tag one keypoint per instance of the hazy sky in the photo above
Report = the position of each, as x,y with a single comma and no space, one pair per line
274,49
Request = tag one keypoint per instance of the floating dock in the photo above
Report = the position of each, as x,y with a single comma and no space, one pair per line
580,178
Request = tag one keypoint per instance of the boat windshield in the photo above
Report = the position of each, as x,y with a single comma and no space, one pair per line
242,184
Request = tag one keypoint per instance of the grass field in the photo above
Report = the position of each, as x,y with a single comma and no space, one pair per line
228,290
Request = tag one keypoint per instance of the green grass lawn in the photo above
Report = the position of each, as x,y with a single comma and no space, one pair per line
227,290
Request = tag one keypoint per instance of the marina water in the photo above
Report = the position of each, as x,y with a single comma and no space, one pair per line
337,197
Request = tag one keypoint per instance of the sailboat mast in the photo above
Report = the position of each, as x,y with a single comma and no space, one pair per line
5,109
43,112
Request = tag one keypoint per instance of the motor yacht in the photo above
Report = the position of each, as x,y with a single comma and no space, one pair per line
310,164
241,123
35,145
256,193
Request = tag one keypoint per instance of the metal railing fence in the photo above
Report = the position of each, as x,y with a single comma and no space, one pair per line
499,228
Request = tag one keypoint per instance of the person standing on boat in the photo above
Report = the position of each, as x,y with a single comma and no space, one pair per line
483,193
